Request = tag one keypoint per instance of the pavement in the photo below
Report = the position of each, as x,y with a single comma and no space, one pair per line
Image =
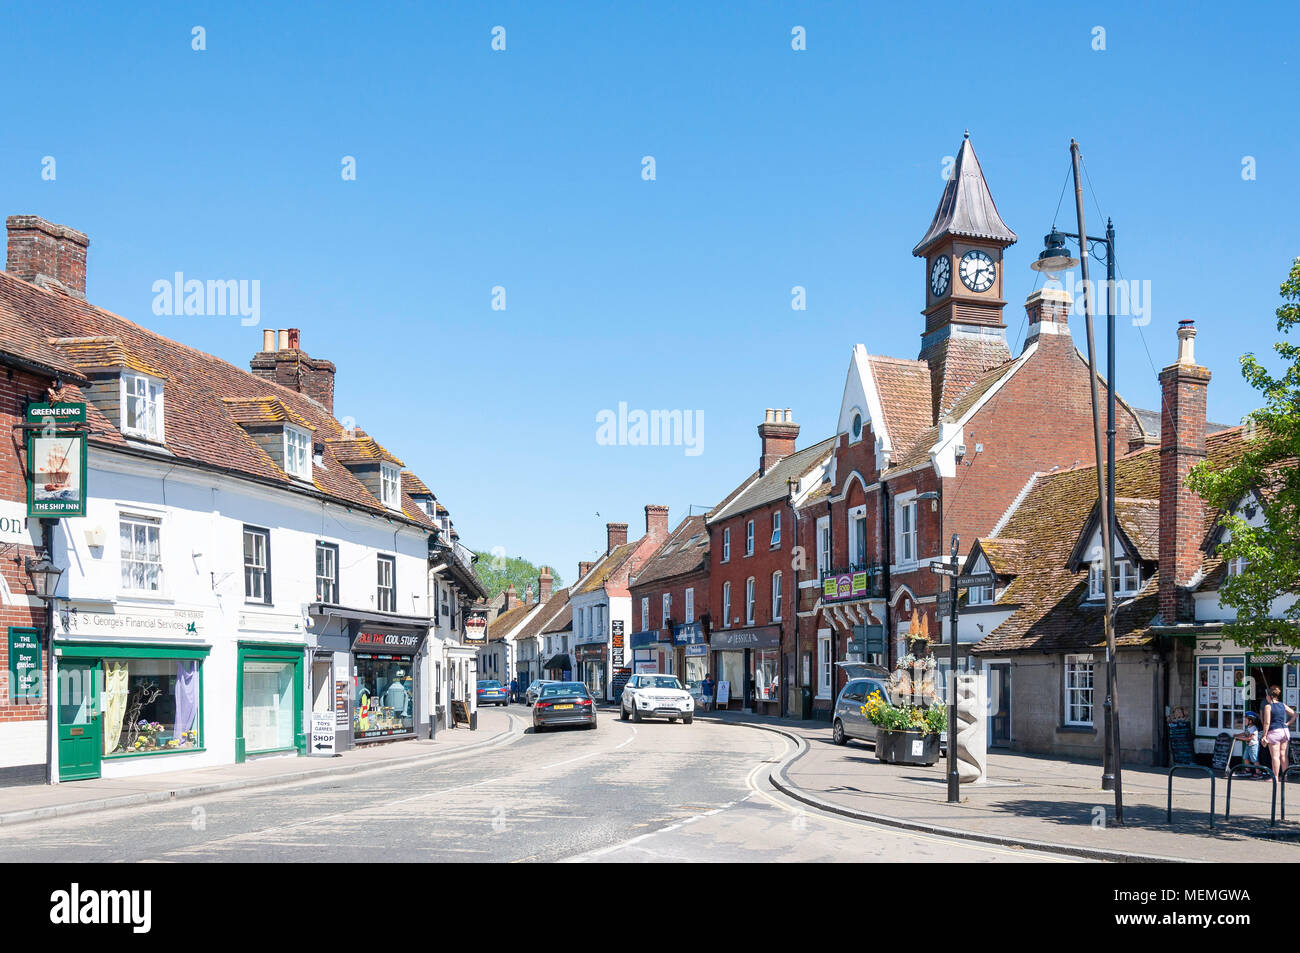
32,802
1035,802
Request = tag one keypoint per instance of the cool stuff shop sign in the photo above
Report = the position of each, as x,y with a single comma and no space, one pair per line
384,642
56,461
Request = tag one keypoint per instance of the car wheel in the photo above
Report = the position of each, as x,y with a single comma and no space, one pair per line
636,715
592,726
538,729
622,712
672,721
688,719
838,735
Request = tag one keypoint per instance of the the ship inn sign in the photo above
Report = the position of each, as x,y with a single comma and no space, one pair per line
56,460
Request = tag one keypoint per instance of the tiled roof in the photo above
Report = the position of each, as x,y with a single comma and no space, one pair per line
1139,520
199,427
905,399
686,551
359,447
964,362
562,621
102,352
248,411
500,627
22,340
606,568
771,486
1004,555
1052,613
549,610
413,485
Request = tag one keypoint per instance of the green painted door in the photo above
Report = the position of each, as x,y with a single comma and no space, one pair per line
79,725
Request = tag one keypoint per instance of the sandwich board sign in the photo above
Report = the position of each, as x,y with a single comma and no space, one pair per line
322,734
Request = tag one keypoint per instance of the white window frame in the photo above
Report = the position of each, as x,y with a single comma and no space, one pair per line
390,486
1237,565
146,522
255,572
776,530
333,580
776,596
690,605
381,561
823,545
726,544
823,663
1127,576
153,404
1073,684
981,595
668,609
749,601
297,452
645,613
856,515
726,605
749,538
905,533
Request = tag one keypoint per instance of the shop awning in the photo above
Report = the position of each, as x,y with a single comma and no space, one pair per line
558,661
371,618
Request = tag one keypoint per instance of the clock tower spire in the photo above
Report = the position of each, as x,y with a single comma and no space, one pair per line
964,335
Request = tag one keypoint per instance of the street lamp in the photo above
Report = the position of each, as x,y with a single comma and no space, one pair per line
1054,258
45,576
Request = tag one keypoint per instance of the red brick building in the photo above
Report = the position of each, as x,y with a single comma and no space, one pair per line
670,605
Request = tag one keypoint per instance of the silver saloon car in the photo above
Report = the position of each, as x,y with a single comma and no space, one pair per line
847,720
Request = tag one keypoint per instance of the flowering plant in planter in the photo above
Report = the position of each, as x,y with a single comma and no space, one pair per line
906,718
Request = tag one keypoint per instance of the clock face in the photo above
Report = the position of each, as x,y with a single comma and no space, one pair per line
940,272
977,271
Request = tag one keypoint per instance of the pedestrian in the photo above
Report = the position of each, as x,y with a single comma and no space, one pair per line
1250,744
1277,735
706,692
514,689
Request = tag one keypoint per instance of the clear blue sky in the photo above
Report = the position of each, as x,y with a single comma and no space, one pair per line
522,169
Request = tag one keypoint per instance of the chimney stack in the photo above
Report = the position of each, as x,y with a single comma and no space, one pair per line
283,361
544,583
584,568
1183,387
615,536
656,522
777,434
512,598
47,255
1048,310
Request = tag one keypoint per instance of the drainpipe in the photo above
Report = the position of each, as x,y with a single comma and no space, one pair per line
888,540
830,560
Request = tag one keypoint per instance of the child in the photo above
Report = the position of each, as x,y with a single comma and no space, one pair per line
1250,743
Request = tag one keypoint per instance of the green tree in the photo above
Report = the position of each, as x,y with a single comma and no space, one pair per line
497,572
1268,468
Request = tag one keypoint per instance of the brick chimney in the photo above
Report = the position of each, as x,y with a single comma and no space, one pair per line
544,583
1183,387
656,522
283,360
584,568
1048,310
512,598
777,432
47,255
615,536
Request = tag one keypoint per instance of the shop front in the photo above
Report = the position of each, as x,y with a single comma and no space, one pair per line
269,700
593,667
1231,680
385,684
691,655
652,654
748,661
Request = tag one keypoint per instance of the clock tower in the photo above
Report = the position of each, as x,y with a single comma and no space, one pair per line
964,335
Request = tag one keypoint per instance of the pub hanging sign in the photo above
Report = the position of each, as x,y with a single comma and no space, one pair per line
56,461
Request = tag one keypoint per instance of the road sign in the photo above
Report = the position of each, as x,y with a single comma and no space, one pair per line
322,734
943,605
975,580
942,569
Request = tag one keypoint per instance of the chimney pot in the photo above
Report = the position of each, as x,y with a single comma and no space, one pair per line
295,339
268,340
284,340
777,434
1187,342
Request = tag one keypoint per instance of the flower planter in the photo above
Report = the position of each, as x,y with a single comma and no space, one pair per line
907,747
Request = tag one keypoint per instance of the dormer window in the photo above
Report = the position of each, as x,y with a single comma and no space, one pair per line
980,595
142,407
1127,579
297,453
390,481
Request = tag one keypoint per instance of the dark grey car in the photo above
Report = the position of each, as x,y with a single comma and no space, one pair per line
847,720
564,703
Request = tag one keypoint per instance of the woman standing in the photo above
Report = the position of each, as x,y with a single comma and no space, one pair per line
1277,735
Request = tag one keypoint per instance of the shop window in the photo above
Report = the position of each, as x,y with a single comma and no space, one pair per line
151,705
382,697
257,565
387,589
327,574
1221,692
269,704
766,680
1078,690
141,547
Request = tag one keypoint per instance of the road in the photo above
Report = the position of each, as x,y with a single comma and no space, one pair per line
652,792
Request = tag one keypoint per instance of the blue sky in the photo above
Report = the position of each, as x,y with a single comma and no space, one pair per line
522,169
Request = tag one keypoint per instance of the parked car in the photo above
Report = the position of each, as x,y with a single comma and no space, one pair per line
491,692
656,696
847,720
535,689
563,703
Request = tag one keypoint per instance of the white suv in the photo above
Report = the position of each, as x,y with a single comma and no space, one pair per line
656,696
